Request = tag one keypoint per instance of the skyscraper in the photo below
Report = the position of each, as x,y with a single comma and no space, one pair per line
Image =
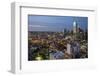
75,30
74,27
65,32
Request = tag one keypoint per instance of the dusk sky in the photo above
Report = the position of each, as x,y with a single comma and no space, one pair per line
55,23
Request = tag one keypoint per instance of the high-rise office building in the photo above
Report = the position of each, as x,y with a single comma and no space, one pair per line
74,27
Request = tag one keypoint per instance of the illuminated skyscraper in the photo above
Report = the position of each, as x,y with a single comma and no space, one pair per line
74,27
75,30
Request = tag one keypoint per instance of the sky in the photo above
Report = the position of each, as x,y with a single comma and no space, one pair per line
55,23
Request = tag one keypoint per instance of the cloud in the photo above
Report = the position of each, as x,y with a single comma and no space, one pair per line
37,26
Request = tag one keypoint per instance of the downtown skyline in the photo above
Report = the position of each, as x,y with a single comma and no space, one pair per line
55,23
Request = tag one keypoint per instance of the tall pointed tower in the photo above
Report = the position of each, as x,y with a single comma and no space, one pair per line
75,30
74,27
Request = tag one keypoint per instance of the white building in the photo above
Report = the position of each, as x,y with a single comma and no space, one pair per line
74,27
